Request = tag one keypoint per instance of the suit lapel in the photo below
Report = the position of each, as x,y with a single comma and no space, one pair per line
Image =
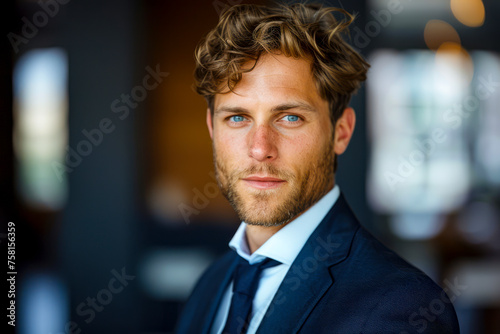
309,278
220,288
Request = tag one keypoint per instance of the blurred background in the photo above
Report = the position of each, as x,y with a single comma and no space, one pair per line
106,163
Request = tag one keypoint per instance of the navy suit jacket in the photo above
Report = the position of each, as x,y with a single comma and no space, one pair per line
343,281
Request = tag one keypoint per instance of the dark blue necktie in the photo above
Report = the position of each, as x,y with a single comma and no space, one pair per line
245,282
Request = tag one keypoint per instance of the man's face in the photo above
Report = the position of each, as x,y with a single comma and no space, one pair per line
273,142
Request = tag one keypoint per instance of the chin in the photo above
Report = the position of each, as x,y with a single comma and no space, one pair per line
264,213
266,224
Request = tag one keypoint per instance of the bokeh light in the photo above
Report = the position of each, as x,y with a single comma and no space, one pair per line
453,55
438,32
469,12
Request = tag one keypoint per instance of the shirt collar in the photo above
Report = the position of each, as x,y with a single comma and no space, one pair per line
285,245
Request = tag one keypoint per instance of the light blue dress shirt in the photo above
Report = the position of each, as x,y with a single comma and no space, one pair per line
283,246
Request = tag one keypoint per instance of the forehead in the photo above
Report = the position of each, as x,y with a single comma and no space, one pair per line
275,78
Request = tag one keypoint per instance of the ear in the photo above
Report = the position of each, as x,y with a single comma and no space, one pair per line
344,129
210,125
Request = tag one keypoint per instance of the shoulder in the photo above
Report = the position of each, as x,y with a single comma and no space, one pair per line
403,297
378,260
412,306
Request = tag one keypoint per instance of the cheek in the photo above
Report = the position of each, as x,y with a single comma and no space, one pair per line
229,146
302,149
299,152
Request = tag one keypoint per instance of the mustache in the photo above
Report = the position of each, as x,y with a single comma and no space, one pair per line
267,169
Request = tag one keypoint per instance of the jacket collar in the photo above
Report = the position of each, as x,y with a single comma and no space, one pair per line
309,276
216,289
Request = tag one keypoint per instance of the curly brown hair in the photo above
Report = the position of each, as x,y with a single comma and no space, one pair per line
308,31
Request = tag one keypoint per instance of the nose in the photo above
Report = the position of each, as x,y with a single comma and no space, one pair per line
262,144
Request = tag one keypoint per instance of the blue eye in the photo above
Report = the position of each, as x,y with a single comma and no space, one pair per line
237,118
291,118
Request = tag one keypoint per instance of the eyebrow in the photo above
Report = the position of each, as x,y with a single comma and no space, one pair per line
278,108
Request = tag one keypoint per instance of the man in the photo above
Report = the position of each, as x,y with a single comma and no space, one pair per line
278,82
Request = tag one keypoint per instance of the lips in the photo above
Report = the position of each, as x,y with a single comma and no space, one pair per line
263,182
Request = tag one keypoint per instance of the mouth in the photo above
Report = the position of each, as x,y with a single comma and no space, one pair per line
263,182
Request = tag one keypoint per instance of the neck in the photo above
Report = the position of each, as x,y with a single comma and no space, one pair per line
257,235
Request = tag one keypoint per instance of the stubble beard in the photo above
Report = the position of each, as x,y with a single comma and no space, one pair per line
276,207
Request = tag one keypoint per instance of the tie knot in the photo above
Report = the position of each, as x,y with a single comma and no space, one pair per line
266,263
247,275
